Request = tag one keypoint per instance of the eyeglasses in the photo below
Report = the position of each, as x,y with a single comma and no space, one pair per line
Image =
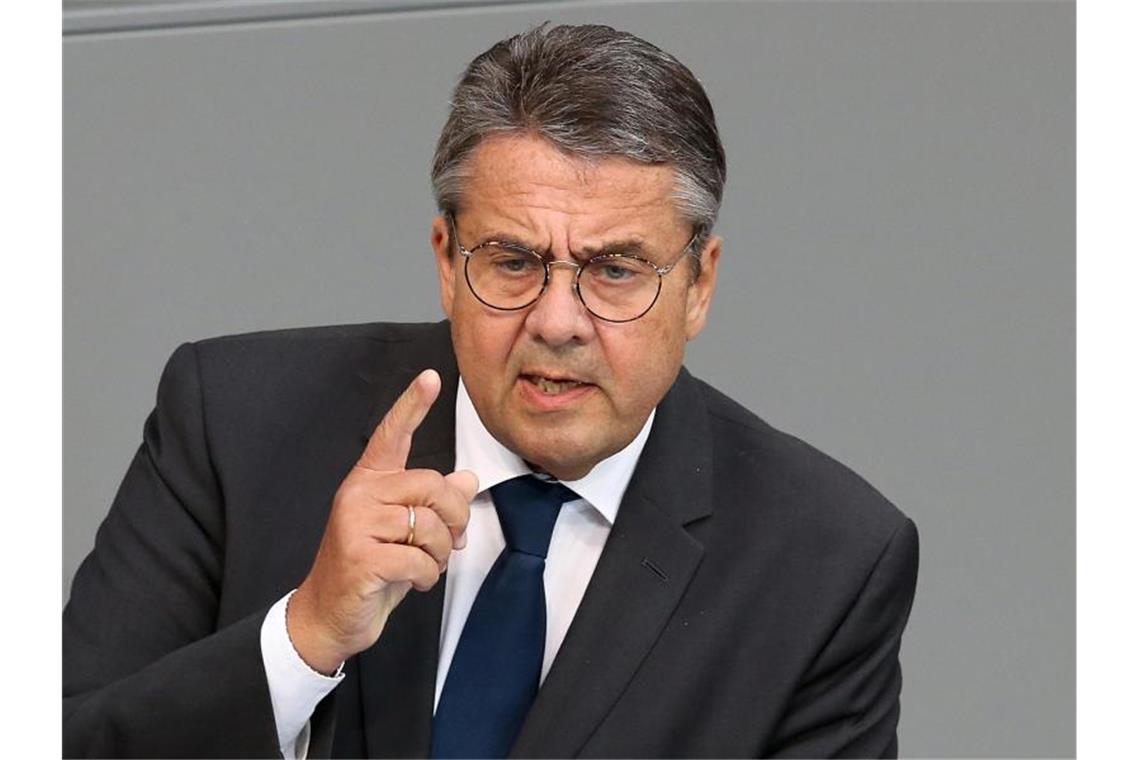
614,287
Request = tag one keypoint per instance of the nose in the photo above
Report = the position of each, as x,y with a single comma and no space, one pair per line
559,318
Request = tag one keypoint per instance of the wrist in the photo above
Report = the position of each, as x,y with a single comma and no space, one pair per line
314,648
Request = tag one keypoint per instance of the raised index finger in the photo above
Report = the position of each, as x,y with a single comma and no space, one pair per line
391,441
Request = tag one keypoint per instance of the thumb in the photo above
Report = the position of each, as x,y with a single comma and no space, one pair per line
467,483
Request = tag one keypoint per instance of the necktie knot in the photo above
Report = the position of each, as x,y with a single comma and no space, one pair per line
528,508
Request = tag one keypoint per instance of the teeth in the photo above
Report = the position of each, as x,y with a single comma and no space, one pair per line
554,387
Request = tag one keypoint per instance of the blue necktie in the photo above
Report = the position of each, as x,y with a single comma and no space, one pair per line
494,674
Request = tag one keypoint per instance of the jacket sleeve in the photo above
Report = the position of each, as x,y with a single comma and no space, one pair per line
146,671
848,703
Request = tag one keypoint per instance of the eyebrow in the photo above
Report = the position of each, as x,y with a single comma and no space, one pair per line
631,246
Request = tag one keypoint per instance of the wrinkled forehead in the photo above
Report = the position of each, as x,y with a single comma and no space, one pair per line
525,186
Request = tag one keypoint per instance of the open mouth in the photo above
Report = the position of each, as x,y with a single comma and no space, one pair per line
553,386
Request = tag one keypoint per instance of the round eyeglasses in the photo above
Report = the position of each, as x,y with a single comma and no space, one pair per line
614,287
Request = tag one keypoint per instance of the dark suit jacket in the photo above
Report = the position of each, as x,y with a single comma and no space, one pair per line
750,599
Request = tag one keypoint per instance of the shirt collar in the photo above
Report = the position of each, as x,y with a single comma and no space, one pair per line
477,450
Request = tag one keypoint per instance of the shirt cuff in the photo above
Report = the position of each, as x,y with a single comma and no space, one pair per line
294,687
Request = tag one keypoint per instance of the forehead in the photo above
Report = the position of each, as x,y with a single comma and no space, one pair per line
525,185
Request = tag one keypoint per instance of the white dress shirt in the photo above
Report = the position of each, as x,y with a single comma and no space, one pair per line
580,533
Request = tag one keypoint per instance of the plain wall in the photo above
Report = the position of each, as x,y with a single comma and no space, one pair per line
897,286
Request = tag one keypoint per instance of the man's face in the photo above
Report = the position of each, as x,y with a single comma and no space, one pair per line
522,189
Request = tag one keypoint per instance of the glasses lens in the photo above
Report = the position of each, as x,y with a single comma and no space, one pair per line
503,277
619,288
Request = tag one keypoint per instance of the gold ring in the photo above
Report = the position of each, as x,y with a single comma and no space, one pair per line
411,526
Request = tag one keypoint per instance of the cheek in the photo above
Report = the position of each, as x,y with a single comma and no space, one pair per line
644,362
483,345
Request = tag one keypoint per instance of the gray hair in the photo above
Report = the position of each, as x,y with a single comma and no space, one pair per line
593,92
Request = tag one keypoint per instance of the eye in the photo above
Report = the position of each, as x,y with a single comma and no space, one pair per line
510,263
616,271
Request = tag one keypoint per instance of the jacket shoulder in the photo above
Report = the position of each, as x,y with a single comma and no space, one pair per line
252,388
811,488
310,352
282,339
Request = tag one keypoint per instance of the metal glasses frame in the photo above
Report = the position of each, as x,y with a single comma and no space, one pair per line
549,264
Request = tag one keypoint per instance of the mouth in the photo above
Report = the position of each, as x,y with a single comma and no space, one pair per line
552,384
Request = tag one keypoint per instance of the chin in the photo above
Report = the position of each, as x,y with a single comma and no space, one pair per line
573,458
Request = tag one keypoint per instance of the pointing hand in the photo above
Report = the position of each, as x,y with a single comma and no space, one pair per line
364,566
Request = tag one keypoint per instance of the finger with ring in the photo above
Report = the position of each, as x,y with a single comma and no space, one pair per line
411,526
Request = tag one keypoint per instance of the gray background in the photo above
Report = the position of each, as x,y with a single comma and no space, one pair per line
897,286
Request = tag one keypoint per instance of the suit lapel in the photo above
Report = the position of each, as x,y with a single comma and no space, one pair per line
397,674
644,569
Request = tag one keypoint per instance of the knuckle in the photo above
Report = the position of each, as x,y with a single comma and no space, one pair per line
389,481
428,480
428,574
440,547
390,484
429,519
431,567
446,537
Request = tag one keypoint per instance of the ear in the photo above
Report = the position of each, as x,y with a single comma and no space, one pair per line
701,292
444,262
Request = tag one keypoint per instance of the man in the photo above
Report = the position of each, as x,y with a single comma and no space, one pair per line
524,530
